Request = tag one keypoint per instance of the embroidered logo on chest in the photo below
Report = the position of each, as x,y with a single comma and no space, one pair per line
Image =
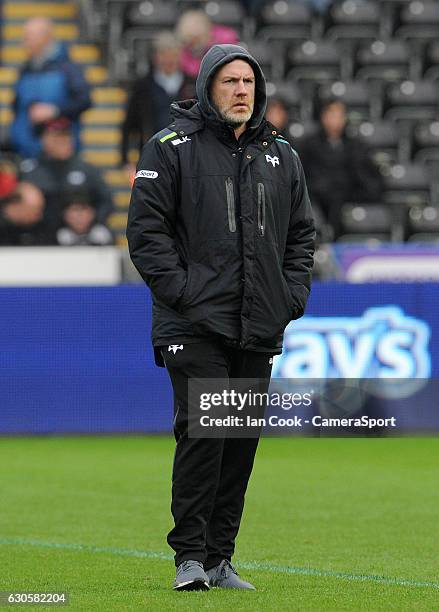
272,160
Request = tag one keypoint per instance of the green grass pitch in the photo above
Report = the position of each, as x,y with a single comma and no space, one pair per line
329,524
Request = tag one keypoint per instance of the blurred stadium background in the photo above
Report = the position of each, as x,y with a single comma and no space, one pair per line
381,58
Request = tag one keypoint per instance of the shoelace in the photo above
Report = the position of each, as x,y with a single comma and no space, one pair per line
187,563
227,568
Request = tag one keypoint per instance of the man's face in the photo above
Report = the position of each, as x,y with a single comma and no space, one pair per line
37,35
334,119
167,60
79,217
233,92
277,114
58,144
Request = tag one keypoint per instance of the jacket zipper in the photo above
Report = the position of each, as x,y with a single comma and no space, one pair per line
261,208
231,204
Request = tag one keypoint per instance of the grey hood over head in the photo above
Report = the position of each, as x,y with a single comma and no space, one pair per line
217,56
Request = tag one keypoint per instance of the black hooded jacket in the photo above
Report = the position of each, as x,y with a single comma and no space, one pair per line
220,229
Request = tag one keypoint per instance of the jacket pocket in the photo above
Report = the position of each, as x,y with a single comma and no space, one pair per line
272,305
261,208
231,212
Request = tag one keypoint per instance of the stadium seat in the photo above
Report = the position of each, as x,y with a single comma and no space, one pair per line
407,184
292,96
432,61
429,158
151,14
364,239
269,56
281,20
225,12
354,20
316,61
383,60
419,20
426,147
412,100
426,135
366,219
383,140
420,12
423,219
424,237
409,176
299,130
351,35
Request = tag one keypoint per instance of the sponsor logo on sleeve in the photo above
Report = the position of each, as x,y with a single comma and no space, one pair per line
150,174
179,141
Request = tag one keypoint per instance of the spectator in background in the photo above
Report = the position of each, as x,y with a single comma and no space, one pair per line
79,224
338,168
59,169
148,106
22,206
49,85
277,114
197,34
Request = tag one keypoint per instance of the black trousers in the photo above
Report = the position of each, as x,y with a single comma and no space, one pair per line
210,476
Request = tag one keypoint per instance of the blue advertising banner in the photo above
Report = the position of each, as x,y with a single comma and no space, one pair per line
80,359
358,331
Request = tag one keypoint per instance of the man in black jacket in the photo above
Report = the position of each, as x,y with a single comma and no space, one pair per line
338,167
221,230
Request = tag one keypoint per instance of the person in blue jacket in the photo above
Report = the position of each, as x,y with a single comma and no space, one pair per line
49,85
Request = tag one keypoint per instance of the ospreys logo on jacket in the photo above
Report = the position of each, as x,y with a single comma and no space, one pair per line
224,236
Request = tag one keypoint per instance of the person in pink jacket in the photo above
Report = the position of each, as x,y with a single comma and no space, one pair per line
197,34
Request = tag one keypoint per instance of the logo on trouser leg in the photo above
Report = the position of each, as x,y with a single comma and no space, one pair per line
173,348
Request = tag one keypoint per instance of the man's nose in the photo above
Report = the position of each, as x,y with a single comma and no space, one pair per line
241,88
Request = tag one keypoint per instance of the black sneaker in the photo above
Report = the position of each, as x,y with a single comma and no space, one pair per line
191,577
225,576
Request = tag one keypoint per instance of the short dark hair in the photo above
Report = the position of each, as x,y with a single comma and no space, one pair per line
81,195
327,102
277,101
